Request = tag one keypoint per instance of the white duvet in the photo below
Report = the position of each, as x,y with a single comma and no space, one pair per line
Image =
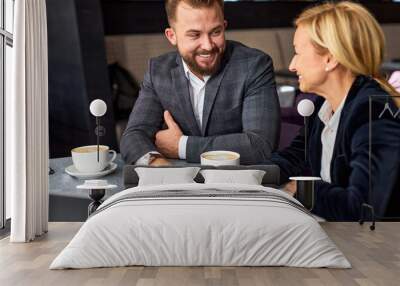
183,231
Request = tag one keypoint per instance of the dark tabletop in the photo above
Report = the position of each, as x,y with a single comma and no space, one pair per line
62,184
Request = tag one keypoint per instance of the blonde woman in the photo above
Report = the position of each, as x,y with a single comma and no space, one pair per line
338,52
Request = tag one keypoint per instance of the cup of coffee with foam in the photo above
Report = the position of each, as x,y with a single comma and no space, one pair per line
220,158
85,158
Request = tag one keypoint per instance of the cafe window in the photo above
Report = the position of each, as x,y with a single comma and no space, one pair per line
6,63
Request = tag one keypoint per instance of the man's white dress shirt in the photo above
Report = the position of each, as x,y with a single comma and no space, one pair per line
197,88
328,136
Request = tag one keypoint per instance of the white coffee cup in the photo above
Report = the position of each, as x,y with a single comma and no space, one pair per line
220,158
85,158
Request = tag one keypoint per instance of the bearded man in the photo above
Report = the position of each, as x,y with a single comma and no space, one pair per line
211,93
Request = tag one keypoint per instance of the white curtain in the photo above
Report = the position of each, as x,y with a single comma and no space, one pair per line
27,124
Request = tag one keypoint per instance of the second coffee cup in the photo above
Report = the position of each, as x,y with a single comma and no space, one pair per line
85,158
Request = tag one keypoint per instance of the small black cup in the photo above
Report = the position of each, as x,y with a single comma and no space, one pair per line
305,190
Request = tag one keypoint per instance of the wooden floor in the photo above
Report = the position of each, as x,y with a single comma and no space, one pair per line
375,257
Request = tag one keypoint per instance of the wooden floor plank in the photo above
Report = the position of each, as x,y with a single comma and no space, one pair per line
374,255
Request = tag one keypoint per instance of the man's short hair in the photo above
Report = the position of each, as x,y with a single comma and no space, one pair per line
171,5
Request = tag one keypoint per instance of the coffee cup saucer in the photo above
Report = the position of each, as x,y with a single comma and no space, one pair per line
72,171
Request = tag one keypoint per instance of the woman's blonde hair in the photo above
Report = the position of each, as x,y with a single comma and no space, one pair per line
351,34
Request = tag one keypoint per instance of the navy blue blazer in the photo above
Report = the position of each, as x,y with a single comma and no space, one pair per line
342,198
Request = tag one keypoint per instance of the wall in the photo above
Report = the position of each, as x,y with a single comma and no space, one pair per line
77,75
134,51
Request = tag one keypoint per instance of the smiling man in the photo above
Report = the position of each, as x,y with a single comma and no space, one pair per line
211,94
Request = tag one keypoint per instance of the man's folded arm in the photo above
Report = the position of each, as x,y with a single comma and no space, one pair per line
260,120
145,120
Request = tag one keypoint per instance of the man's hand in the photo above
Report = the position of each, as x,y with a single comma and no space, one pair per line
167,141
291,188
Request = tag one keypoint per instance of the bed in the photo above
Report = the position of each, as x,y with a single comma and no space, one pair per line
201,224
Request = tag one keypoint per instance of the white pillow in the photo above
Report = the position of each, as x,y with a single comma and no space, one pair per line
248,177
165,176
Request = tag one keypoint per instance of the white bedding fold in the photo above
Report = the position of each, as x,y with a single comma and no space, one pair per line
181,231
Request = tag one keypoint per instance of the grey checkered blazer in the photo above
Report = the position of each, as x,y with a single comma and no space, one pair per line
241,108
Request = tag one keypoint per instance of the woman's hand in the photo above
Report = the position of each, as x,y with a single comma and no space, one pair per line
290,188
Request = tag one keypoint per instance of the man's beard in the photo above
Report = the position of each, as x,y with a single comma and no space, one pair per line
204,71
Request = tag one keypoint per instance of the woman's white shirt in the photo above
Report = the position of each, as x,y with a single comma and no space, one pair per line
328,136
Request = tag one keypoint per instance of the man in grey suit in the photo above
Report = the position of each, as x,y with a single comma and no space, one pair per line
212,94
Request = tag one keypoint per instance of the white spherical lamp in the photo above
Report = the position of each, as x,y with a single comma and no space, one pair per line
305,107
98,107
